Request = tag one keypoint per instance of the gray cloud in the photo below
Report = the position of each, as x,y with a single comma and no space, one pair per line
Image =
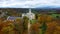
29,3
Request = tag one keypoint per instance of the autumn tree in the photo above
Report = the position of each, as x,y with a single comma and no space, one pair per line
18,26
35,28
42,21
25,24
7,27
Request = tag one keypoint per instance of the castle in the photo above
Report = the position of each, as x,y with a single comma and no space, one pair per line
30,15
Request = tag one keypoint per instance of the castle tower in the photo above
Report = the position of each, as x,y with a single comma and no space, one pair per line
29,10
30,15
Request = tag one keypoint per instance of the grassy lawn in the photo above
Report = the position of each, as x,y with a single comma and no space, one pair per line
33,21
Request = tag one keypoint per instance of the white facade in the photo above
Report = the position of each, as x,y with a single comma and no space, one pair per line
30,15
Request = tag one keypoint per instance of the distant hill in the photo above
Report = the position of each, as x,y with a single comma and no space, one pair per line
34,10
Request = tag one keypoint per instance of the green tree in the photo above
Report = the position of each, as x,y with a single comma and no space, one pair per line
44,28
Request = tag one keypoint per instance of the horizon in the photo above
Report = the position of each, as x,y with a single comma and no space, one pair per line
29,4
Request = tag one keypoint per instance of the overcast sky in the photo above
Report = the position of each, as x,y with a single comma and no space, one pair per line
29,3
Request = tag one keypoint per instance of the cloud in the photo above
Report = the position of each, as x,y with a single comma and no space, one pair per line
29,3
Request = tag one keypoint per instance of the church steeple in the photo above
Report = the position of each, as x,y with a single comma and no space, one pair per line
29,10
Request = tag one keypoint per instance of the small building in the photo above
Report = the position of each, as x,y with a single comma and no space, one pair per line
12,18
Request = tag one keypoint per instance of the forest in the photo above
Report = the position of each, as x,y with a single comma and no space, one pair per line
46,21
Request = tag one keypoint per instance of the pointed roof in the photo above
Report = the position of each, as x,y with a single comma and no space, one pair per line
29,10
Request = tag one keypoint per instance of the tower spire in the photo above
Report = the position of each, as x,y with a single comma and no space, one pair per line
29,10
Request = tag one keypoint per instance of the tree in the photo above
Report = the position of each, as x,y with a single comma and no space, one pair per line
42,21
18,26
25,24
36,16
44,27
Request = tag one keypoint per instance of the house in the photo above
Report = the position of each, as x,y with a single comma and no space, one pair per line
12,18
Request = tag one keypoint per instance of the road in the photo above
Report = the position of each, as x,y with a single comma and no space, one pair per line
29,27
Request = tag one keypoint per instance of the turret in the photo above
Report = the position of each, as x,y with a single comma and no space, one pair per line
29,10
